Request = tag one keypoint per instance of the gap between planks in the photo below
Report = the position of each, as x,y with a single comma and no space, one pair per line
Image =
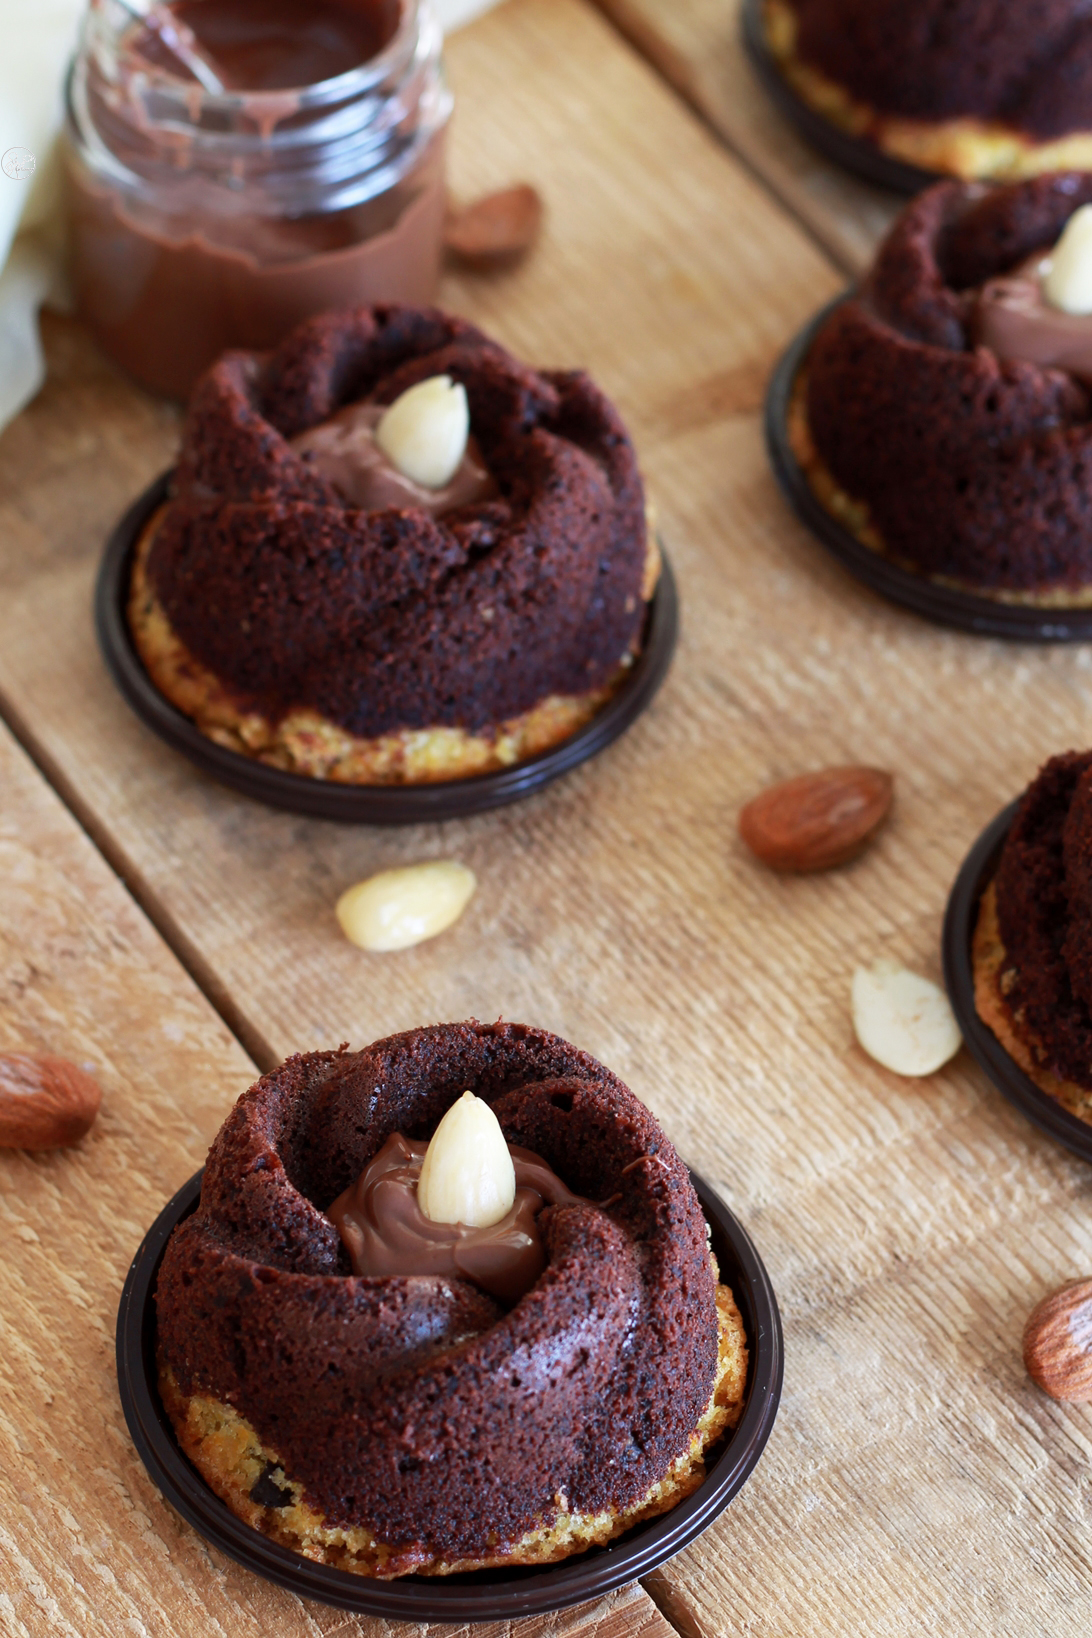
174,936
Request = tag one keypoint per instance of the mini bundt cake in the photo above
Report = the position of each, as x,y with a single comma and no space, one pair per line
958,463
416,1422
970,88
307,603
1033,941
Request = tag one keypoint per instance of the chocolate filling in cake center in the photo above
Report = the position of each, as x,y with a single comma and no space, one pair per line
1013,317
385,1232
343,450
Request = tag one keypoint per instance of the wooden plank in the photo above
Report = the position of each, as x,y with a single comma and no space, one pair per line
698,47
87,1544
908,1227
627,1613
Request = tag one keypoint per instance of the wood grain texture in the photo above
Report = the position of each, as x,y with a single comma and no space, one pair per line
697,45
87,1544
915,1481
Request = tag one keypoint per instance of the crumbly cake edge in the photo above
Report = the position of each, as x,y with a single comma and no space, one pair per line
855,515
968,148
993,977
231,1458
304,742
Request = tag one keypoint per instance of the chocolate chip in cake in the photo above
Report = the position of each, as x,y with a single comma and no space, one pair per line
267,1491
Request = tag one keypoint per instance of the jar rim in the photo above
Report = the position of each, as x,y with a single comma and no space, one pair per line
356,141
352,83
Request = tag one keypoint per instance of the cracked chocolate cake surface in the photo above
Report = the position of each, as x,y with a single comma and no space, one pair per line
972,469
395,620
1027,65
417,1407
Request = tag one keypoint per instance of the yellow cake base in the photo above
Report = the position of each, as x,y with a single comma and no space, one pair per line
304,742
968,148
994,976
231,1458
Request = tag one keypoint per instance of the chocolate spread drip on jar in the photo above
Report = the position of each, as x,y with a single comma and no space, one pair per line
206,220
385,1231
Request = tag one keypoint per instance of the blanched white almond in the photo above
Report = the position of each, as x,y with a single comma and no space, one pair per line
1068,284
398,908
424,432
902,1020
467,1174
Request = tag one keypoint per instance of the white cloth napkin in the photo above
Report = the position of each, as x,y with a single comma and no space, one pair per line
37,38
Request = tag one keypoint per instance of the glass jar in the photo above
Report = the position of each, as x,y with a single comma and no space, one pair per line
206,220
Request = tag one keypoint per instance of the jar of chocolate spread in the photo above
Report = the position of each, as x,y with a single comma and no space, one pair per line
211,218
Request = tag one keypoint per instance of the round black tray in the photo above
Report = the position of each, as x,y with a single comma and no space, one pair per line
361,804
975,876
944,605
484,1594
852,153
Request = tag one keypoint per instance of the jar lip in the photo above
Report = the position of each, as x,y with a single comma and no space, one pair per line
352,145
352,83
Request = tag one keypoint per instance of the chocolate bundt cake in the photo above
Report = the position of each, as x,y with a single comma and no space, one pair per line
964,87
307,603
963,465
1033,942
414,1422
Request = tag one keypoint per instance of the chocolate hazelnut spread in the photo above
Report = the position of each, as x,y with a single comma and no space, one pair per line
385,1231
1013,317
344,452
203,221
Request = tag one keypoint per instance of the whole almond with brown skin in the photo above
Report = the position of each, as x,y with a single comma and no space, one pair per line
496,228
1058,1343
817,819
45,1102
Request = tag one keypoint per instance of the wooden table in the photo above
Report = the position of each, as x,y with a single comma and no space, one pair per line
176,936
